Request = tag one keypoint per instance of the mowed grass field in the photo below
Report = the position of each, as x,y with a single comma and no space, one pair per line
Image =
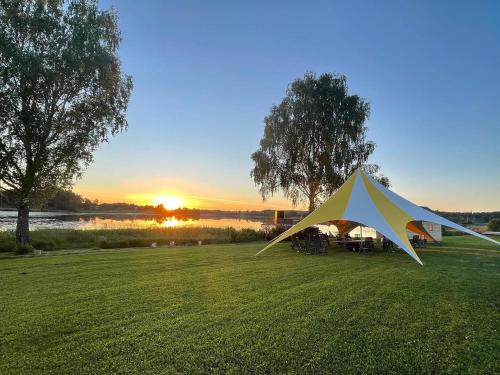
219,309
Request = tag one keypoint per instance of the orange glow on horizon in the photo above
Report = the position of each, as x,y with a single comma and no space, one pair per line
170,202
187,199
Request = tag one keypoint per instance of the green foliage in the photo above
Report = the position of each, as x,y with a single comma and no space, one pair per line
452,232
313,140
220,309
494,225
66,200
470,217
62,93
45,245
275,230
22,249
244,235
56,239
7,241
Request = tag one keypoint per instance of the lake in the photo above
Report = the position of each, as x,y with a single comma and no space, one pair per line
58,220
64,220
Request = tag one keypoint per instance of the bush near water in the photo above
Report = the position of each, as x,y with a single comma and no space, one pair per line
56,239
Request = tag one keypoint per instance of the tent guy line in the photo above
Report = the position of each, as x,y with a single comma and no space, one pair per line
363,200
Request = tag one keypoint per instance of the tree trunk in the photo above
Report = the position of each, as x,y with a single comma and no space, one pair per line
23,225
312,203
312,194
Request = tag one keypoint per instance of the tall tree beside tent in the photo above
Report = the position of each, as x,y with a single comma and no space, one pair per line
313,140
62,93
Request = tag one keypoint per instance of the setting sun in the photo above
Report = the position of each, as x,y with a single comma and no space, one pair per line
170,202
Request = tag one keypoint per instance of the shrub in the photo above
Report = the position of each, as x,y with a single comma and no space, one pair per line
54,239
232,234
452,232
23,249
494,225
104,244
45,245
140,242
7,246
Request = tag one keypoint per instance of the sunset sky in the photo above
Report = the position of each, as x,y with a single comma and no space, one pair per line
205,76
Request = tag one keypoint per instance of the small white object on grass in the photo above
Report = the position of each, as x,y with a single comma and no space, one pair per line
153,244
200,243
172,243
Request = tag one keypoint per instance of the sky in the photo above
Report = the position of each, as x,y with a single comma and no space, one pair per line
206,73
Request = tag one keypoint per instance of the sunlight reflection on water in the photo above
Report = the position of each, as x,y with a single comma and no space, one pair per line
49,220
168,222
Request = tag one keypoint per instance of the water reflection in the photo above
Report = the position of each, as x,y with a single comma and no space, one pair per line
50,220
166,222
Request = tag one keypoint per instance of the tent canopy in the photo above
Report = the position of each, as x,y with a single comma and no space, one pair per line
418,228
344,227
364,201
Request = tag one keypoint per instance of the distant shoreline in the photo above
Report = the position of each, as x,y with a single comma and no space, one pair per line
233,214
460,217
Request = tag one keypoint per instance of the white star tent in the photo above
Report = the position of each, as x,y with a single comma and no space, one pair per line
364,201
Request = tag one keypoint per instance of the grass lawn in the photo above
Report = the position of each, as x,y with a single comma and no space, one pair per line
217,308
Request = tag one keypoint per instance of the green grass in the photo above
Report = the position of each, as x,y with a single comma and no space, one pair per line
55,239
217,308
465,241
